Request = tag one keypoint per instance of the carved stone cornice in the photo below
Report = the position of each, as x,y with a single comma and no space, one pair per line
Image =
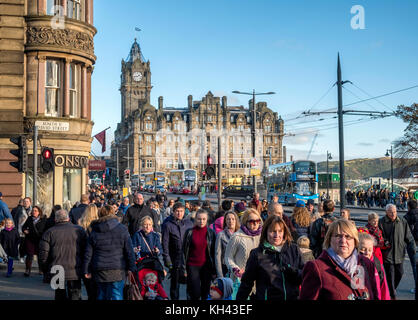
62,38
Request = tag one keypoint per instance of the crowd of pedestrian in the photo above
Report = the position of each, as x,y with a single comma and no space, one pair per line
376,197
245,250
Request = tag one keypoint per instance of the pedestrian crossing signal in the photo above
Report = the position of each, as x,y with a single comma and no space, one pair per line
22,154
47,160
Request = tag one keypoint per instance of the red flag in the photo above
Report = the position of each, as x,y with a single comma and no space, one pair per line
101,137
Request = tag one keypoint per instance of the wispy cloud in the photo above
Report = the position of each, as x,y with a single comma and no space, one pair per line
384,140
365,144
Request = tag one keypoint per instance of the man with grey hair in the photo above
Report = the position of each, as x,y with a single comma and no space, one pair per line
64,245
397,236
277,210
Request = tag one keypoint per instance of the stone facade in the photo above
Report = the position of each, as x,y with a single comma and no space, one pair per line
165,139
46,63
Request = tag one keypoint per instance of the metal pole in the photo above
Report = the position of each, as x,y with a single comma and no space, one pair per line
253,138
219,173
391,164
117,166
341,135
35,164
327,176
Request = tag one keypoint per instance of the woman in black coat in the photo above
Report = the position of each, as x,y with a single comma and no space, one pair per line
33,229
275,265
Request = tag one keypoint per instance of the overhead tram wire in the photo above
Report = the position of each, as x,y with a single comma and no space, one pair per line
356,96
368,94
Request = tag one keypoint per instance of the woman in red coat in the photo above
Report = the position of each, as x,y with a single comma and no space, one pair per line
339,273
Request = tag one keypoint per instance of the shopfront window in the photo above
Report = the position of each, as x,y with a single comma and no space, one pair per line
44,190
71,185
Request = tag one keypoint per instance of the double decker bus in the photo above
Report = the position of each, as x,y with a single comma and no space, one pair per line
183,178
149,178
292,181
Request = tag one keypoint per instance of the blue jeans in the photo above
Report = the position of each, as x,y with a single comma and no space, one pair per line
110,290
9,266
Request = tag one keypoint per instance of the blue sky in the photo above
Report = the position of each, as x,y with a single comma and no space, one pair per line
285,46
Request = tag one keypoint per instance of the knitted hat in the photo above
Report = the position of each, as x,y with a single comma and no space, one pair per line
224,286
239,207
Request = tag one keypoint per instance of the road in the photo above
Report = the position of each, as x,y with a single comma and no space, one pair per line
20,288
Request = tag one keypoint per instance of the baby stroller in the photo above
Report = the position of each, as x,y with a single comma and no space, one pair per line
150,264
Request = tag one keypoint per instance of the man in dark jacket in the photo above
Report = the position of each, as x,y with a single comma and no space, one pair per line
134,214
411,217
77,212
109,255
397,236
64,245
320,227
173,231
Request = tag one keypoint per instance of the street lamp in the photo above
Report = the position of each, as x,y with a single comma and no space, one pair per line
391,162
253,124
328,158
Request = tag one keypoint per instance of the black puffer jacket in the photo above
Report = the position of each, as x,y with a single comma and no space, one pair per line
10,240
411,217
63,244
109,247
277,275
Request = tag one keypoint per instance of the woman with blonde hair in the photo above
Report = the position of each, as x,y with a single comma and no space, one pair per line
242,242
88,216
301,219
340,272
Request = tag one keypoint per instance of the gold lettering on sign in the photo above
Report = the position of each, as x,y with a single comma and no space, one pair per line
69,161
77,161
59,161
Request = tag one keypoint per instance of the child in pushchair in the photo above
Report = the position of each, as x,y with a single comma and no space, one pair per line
150,276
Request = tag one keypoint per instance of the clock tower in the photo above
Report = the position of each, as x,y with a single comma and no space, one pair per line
135,81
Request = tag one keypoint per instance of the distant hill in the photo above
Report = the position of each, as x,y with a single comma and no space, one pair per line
378,167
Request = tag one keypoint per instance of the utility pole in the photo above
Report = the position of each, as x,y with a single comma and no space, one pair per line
328,158
391,162
341,112
117,166
219,173
35,165
341,134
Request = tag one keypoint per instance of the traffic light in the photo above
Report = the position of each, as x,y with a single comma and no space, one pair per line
127,174
203,175
47,160
22,154
210,168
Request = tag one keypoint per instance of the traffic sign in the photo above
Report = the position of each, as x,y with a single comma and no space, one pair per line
254,163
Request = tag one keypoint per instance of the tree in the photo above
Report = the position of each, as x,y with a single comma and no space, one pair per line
406,147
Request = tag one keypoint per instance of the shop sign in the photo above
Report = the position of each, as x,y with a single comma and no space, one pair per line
52,126
97,165
71,161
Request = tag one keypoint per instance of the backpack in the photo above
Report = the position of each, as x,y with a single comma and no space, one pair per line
325,224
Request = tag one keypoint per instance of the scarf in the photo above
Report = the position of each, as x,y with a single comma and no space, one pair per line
268,245
9,229
349,265
35,220
251,233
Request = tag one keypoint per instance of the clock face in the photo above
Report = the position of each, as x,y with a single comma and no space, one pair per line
137,76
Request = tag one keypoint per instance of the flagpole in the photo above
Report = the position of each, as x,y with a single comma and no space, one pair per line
101,131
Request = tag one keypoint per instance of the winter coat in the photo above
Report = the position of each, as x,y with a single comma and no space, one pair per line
134,214
21,217
64,244
109,247
4,211
10,240
277,275
173,232
299,230
318,231
222,239
210,247
398,238
412,217
217,226
323,279
77,212
153,241
238,250
124,208
35,230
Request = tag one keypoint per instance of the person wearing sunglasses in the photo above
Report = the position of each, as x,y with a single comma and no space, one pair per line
242,242
340,272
